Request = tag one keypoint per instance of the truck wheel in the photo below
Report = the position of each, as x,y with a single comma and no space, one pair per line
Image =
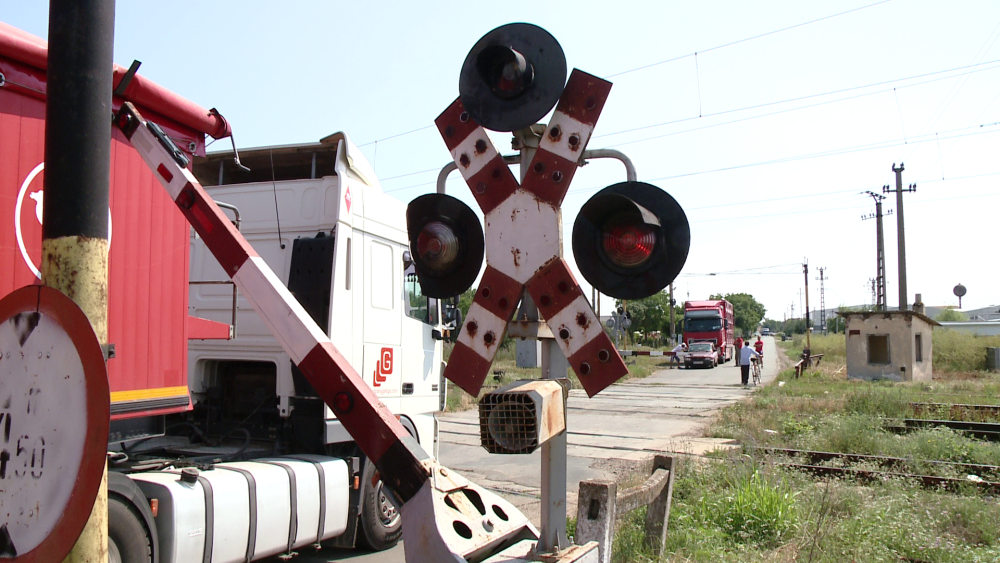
128,541
381,524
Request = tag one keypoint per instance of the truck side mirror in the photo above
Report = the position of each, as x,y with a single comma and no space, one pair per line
452,319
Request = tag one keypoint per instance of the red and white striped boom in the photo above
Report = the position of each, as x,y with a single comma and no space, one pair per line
433,530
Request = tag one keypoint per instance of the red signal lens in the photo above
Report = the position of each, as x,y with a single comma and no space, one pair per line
627,241
437,247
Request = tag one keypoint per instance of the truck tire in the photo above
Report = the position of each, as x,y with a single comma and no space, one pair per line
131,529
381,523
128,540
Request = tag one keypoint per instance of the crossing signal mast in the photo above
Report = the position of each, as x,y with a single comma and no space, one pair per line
630,240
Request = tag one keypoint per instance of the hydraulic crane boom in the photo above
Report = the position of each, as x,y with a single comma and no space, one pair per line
445,518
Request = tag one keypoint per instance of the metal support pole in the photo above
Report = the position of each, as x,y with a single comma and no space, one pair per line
903,300
880,280
672,320
554,454
77,176
554,366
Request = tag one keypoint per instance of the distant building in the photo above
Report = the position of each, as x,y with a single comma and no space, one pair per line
892,345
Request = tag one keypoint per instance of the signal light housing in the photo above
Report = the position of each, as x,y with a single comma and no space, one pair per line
518,418
631,240
512,77
446,244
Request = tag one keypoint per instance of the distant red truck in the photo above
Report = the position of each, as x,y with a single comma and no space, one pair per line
710,321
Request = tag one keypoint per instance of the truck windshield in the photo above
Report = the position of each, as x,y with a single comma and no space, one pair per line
702,324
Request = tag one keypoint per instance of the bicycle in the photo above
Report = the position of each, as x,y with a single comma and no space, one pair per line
755,370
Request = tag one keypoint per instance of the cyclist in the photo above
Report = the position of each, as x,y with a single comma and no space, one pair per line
745,354
759,347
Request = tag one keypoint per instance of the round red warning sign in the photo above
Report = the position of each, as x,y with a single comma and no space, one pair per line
54,418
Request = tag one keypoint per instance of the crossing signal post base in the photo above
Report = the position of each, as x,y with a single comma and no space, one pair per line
525,551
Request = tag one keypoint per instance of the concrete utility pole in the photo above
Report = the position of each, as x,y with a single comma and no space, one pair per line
805,272
822,301
881,298
77,176
903,299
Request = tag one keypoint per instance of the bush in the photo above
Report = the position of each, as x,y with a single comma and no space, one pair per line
755,511
960,351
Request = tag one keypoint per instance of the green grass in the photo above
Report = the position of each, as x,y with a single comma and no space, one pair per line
740,507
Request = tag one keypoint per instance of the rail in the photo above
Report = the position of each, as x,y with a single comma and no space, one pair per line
600,505
813,459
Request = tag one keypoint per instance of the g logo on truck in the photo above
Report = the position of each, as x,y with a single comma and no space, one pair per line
384,366
25,225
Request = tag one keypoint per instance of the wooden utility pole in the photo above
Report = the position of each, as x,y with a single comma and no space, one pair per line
77,175
903,299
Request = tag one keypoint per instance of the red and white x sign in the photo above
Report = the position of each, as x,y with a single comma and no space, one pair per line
524,242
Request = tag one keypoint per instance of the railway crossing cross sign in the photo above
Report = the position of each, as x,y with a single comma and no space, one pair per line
630,240
524,242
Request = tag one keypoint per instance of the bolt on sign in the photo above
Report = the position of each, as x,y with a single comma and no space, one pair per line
631,240
54,418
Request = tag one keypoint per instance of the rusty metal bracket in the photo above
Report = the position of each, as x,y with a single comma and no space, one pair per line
530,330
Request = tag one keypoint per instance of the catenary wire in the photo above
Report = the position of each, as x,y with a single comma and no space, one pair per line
997,66
717,47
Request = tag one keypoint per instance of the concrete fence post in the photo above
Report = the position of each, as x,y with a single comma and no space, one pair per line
595,515
600,505
659,509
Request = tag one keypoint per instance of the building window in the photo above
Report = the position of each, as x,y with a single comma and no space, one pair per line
878,349
919,345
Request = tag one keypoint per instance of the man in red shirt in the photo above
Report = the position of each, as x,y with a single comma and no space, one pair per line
739,347
759,346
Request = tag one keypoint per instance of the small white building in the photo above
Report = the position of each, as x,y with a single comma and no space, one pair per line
892,345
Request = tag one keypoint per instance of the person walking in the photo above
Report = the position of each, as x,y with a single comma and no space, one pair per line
745,354
677,351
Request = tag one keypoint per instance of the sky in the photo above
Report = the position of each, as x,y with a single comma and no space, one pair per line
767,121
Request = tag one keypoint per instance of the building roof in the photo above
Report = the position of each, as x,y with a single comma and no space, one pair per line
889,314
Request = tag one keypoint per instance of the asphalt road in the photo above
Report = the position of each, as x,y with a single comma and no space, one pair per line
665,412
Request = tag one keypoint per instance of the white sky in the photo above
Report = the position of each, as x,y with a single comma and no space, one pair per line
764,188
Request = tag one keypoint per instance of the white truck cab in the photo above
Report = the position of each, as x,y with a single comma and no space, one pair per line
317,215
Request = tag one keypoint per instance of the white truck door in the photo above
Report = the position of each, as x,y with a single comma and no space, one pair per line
382,317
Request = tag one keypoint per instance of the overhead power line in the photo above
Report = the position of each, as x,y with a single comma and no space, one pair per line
822,94
995,63
717,47
744,40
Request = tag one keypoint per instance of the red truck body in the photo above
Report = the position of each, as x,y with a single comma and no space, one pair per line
148,320
710,321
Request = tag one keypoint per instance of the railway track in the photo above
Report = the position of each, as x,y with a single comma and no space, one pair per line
959,411
890,468
983,430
